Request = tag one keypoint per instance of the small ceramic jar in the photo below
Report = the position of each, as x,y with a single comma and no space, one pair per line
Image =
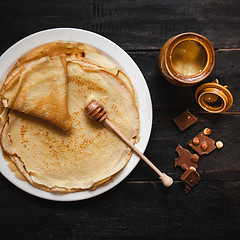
186,59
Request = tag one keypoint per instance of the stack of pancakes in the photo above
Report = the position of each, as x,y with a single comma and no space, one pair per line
45,131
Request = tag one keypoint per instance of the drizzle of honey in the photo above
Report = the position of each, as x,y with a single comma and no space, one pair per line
189,58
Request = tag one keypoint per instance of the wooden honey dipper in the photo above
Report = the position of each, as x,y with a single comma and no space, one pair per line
95,110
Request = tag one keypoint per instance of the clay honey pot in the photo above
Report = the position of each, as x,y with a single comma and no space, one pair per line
186,59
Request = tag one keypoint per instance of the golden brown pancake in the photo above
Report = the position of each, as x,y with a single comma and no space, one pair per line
87,155
40,89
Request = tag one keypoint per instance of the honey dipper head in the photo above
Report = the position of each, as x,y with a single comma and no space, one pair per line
95,110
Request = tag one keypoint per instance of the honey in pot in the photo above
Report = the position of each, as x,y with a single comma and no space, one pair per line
186,59
189,58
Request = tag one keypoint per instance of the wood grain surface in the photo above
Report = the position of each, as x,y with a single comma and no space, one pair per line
140,207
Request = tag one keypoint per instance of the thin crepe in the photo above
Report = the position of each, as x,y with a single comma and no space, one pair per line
89,153
40,89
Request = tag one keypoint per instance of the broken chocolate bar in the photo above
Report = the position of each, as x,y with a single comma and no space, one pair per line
186,159
190,178
185,120
202,144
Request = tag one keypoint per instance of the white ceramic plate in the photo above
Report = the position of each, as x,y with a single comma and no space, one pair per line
125,62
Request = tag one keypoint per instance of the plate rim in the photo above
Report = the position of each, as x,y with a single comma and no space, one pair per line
126,63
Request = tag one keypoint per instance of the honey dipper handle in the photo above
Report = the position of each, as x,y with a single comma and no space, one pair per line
166,180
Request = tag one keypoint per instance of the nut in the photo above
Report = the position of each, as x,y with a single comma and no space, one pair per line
204,146
195,141
219,144
207,131
195,158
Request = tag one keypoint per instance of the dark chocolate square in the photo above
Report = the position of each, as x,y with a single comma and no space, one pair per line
185,120
191,177
203,138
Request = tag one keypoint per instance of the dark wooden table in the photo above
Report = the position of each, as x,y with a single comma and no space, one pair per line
140,207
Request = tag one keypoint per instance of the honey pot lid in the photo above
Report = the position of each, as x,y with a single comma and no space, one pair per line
214,97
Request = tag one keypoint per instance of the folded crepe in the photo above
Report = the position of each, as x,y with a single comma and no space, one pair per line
39,88
87,155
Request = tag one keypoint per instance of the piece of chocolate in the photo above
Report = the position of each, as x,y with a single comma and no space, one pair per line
185,120
186,159
190,178
202,144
